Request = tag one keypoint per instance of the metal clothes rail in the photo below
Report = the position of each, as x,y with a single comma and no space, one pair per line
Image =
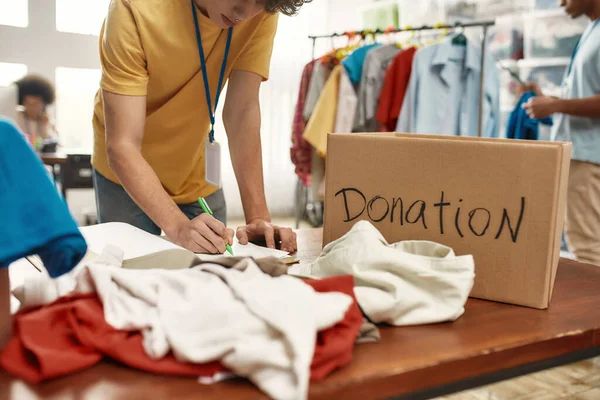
479,24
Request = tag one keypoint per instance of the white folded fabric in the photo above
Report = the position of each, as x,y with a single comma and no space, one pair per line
405,283
260,327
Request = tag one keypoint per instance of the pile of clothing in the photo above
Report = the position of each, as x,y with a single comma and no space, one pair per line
279,332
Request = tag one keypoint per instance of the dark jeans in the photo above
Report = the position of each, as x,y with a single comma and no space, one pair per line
114,205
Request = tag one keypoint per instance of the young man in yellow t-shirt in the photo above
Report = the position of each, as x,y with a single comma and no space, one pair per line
152,118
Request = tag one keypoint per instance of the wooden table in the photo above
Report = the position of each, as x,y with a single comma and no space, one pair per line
71,168
54,158
491,342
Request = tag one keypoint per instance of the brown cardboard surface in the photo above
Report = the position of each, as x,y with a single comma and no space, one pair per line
564,170
446,189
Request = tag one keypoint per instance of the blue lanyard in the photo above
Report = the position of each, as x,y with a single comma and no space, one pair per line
211,111
576,49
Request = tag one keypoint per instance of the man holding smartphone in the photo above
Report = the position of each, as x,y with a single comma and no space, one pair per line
163,65
577,120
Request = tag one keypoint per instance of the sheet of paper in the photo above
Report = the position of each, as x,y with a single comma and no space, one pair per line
134,242
249,250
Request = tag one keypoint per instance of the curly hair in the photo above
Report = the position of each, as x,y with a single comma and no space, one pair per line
35,85
286,7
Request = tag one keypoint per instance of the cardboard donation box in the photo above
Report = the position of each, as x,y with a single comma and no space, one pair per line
503,201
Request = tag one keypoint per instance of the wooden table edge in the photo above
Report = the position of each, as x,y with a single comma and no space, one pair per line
480,369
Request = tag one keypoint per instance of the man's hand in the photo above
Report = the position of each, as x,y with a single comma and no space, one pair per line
203,234
541,106
259,229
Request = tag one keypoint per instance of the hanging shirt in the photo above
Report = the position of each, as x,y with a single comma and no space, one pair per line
324,116
394,89
354,62
149,48
301,151
347,104
318,79
376,64
431,99
583,81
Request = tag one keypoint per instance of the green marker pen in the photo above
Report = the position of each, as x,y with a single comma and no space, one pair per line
207,210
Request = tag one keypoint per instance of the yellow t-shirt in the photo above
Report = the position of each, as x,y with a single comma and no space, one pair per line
149,48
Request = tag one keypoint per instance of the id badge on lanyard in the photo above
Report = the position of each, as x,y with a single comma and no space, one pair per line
212,149
212,163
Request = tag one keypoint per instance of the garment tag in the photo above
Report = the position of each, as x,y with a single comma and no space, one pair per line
212,168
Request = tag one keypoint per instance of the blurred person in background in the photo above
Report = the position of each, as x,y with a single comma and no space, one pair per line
35,95
577,120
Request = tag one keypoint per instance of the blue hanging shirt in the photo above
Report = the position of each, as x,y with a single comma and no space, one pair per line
35,219
354,62
442,97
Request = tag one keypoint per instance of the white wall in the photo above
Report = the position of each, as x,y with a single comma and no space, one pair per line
42,48
344,14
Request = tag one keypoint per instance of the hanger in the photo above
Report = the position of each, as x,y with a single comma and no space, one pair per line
459,39
410,41
343,52
366,34
442,35
435,39
389,31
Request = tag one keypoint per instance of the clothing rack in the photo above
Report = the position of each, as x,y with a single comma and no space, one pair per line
479,24
301,191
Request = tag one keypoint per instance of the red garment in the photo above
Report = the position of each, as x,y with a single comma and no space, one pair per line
301,151
334,346
394,89
71,334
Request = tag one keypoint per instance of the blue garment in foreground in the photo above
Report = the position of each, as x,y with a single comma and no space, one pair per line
34,219
520,126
